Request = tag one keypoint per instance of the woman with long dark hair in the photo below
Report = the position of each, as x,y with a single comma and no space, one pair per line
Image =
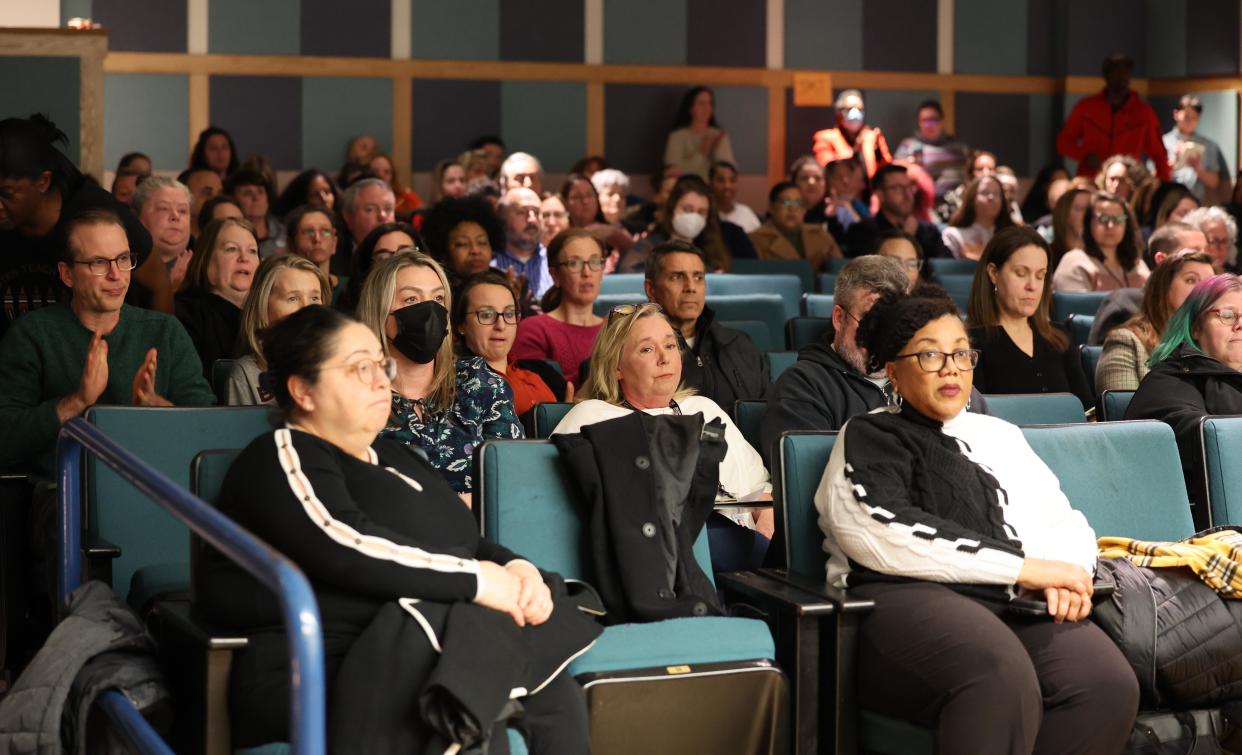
696,139
1111,256
216,151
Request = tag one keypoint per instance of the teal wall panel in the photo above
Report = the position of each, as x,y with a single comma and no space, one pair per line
645,32
147,112
743,112
990,37
546,119
1166,37
43,85
458,30
824,35
895,112
1042,136
335,110
244,27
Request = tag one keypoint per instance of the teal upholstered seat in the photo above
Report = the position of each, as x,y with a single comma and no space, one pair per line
818,305
547,416
758,332
168,439
676,642
1089,357
787,287
768,308
801,332
801,269
779,361
1036,408
747,415
1079,327
1066,303
1222,448
1113,404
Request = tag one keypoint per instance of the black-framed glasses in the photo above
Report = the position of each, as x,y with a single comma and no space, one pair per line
851,314
575,265
488,315
625,310
366,370
379,255
100,266
931,360
1228,316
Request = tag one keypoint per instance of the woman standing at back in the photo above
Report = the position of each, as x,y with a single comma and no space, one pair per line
696,140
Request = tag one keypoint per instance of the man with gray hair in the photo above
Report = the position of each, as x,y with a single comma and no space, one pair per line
368,203
162,205
829,383
521,169
1221,232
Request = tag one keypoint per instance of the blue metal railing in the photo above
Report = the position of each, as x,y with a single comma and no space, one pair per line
297,600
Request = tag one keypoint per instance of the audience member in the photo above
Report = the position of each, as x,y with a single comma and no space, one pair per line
132,168
1127,348
1171,237
493,149
254,194
983,212
903,491
312,187
203,185
477,164
1009,182
851,138
689,215
382,242
696,139
1112,122
1197,161
784,235
723,179
216,151
1112,253
523,255
896,212
1121,175
1175,205
982,163
1037,203
134,162
485,317
61,359
553,217
641,217
163,206
717,362
566,332
589,165
395,562
463,235
360,149
1195,373
581,199
636,366
313,230
221,206
813,181
940,153
41,191
441,404
830,381
282,286
448,179
906,249
485,189
521,170
220,275
1067,223
367,203
847,198
611,187
1022,351
407,201
1221,233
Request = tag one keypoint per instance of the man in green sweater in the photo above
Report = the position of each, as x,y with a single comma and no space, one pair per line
57,361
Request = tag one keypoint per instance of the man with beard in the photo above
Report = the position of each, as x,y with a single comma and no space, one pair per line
718,362
829,384
524,257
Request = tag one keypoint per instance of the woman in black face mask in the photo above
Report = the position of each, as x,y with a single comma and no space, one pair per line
441,404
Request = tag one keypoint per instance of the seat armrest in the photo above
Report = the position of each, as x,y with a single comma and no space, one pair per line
844,602
100,548
761,588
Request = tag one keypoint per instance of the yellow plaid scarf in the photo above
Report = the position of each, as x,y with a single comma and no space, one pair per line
1215,557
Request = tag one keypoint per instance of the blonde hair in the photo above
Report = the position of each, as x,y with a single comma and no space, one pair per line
205,249
373,305
254,313
601,382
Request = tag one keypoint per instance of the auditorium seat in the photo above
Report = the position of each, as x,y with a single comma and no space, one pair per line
747,416
1113,404
950,266
546,416
1036,408
1222,447
801,332
758,332
779,361
800,268
817,305
1066,303
787,287
1089,357
1079,327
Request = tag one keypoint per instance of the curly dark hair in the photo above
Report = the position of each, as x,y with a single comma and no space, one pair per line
447,214
894,319
361,263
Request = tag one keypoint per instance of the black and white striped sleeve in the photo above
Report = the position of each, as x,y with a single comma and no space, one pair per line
865,504
312,518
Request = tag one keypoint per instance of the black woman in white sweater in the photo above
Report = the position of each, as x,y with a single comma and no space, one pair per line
940,516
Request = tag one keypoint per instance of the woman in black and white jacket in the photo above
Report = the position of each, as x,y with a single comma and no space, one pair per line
939,515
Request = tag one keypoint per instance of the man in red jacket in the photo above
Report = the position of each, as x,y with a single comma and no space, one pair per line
1114,121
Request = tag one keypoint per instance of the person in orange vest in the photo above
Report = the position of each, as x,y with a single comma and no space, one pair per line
851,137
1115,121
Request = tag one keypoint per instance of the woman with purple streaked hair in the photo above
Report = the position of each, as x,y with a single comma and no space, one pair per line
1195,373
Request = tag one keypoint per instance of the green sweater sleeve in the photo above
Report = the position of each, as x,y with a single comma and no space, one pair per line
30,418
186,386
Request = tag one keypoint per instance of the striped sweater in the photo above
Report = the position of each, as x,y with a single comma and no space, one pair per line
961,502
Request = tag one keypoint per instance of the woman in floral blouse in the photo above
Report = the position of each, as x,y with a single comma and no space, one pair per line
442,405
